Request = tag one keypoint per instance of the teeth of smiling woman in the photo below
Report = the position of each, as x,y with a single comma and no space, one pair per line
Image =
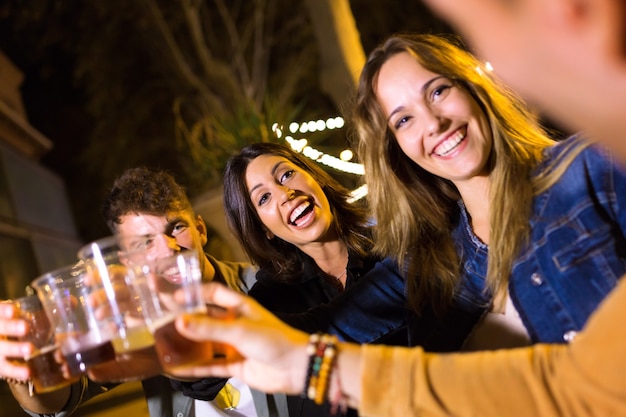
298,211
449,144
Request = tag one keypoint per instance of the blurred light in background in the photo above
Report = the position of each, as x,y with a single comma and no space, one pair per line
341,163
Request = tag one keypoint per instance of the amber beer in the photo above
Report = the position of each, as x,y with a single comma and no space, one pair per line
87,357
132,341
156,286
135,355
46,372
177,352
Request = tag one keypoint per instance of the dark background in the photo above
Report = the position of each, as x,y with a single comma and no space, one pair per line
91,86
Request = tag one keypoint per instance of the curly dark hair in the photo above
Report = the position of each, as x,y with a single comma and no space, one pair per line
276,256
143,190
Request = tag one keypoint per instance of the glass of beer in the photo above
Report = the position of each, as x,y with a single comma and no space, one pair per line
46,373
83,334
135,354
168,287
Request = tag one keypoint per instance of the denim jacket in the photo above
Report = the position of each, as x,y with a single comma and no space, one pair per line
576,251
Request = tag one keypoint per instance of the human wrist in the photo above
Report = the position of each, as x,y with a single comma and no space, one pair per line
345,389
321,351
299,360
24,386
341,389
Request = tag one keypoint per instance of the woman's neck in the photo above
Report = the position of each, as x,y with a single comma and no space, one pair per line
330,257
475,195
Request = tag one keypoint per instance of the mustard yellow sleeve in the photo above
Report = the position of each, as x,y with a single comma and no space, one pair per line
586,378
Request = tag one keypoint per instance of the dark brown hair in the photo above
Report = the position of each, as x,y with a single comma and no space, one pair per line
143,190
276,256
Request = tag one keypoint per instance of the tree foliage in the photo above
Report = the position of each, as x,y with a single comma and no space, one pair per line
179,84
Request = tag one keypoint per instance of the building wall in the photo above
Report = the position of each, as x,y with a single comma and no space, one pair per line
37,230
221,243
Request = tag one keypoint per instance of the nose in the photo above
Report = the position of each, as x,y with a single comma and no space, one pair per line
164,245
287,194
434,123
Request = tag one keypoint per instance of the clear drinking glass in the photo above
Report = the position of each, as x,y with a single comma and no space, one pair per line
134,346
167,288
82,333
46,372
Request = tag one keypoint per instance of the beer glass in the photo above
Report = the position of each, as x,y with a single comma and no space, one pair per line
83,337
135,353
46,373
168,287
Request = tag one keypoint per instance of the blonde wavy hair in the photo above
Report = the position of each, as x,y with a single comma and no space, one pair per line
417,211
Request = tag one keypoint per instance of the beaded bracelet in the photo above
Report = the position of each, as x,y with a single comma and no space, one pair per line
322,350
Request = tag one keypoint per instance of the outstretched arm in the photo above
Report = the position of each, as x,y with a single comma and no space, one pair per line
587,377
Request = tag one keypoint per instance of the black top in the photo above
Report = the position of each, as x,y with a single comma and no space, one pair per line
310,289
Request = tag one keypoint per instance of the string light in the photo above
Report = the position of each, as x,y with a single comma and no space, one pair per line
341,163
300,145
346,155
358,193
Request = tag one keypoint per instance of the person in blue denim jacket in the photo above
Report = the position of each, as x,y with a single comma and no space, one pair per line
480,204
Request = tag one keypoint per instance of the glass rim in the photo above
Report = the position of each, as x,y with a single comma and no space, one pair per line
55,274
87,250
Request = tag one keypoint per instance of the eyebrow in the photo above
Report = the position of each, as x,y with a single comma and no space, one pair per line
422,91
174,219
171,223
274,169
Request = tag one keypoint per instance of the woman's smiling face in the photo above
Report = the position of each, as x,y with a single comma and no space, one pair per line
288,200
436,122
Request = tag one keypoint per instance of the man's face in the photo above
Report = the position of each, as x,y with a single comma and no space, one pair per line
161,236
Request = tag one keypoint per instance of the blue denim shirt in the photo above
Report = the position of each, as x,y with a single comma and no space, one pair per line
576,252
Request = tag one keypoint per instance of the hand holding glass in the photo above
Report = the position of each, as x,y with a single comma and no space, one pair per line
83,337
169,287
46,373
135,354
